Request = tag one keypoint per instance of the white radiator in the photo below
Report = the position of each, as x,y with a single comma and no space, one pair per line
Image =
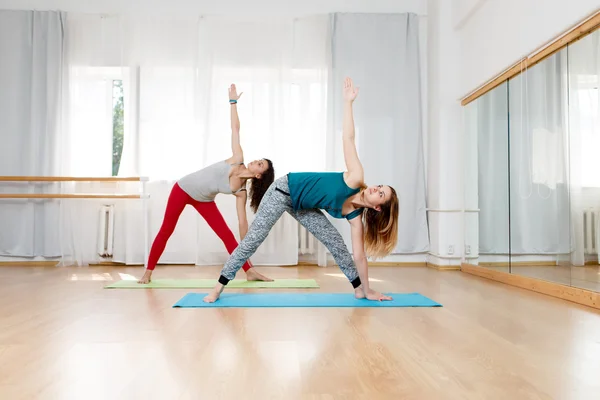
307,243
106,231
590,230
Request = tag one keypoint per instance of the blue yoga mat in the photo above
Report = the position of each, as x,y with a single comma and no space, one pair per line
253,300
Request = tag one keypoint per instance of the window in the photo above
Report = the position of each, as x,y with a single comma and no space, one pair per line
117,125
96,120
183,120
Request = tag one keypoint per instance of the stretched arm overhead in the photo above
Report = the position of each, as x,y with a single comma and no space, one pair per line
355,174
236,148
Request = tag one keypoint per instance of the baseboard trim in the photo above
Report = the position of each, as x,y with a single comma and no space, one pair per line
438,267
531,264
396,264
518,264
113,264
569,293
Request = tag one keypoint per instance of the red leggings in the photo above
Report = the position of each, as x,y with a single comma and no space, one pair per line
178,199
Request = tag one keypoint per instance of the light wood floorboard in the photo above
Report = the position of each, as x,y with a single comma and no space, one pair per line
62,336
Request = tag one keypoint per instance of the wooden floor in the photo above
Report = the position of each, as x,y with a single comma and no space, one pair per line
62,336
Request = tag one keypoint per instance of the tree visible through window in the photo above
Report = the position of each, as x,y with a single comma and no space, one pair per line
118,125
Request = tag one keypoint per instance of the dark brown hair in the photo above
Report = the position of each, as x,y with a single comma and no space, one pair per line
260,186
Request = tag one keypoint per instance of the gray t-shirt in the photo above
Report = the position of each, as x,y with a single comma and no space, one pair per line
204,185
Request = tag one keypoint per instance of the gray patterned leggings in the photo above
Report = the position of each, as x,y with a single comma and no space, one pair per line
275,201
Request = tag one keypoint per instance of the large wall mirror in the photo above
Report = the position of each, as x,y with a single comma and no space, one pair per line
532,170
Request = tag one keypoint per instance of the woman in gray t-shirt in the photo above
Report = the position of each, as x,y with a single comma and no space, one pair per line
200,188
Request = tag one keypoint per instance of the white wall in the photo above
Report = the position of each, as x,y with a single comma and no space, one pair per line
445,177
494,34
470,41
215,7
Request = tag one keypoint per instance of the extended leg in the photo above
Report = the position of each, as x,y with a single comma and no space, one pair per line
215,220
317,223
175,205
272,206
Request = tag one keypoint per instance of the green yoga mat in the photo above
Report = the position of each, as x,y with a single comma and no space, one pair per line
210,283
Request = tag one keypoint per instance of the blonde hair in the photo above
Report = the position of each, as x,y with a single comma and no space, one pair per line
381,227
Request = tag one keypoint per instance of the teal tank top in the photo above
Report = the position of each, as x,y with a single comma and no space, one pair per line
322,190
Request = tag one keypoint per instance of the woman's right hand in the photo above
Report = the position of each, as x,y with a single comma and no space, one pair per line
350,92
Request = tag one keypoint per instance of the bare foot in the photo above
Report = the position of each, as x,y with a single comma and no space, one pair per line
147,278
252,275
373,295
211,298
214,295
359,294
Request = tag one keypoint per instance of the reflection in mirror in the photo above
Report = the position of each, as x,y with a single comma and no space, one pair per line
532,170
584,132
486,181
539,194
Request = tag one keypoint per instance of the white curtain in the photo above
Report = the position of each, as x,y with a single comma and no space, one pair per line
93,63
539,196
523,161
491,112
381,54
175,74
584,132
31,47
553,110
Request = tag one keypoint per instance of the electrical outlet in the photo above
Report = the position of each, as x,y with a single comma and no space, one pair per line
467,249
451,249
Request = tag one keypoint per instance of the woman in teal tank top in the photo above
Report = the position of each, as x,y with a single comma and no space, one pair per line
372,212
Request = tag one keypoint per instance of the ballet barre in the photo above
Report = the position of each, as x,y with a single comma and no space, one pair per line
71,179
114,179
70,196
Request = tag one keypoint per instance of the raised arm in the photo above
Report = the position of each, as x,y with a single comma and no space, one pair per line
355,174
236,148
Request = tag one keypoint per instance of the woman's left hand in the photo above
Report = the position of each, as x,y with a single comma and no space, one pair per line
233,93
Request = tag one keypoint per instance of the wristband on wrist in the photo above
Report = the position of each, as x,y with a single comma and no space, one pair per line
232,101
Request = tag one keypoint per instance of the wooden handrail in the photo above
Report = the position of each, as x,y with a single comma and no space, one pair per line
70,179
577,32
68,196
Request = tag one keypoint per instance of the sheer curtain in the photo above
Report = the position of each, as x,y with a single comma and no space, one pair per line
31,47
584,132
381,54
175,73
554,141
539,196
93,61
493,169
281,66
